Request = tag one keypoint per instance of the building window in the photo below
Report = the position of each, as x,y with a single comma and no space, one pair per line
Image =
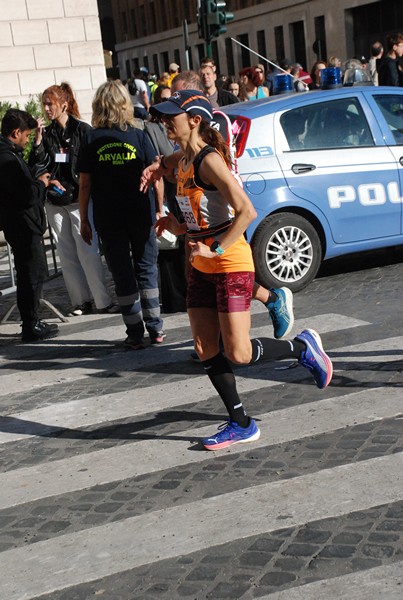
143,21
279,42
165,60
245,54
177,57
200,52
230,56
153,17
156,65
134,23
261,43
216,57
298,38
319,46
124,24
189,11
128,69
373,22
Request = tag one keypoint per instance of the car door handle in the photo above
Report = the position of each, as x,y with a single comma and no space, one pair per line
302,168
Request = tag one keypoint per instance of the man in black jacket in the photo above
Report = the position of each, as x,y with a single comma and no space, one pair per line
23,221
388,66
217,96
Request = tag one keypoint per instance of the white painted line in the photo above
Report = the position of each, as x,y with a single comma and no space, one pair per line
379,583
157,453
85,556
385,350
73,369
112,407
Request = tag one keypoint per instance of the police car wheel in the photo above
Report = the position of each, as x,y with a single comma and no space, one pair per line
286,251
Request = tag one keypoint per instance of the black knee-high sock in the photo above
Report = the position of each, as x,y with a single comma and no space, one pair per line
269,349
221,376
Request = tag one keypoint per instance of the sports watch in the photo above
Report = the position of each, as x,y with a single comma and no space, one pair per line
215,247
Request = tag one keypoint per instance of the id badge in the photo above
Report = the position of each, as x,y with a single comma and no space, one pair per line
187,212
62,157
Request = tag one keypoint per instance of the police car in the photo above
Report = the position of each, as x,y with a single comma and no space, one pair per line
324,170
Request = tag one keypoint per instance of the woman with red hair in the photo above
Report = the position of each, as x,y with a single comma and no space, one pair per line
55,150
251,79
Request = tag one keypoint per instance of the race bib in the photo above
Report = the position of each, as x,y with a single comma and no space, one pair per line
187,212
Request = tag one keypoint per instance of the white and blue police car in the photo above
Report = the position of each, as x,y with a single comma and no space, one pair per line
324,170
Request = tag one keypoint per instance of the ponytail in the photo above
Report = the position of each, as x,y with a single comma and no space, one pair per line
63,93
72,106
215,139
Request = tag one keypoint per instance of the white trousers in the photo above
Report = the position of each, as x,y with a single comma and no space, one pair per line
82,266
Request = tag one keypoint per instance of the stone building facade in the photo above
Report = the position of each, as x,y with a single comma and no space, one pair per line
44,43
150,32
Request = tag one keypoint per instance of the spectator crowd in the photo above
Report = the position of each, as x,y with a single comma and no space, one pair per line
384,67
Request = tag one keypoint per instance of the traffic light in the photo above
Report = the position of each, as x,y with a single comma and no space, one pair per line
212,18
202,19
217,17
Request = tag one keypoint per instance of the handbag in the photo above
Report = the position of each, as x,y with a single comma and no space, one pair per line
63,199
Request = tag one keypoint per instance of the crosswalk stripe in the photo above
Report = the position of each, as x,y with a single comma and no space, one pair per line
112,407
65,370
77,367
324,323
168,451
76,558
385,582
384,350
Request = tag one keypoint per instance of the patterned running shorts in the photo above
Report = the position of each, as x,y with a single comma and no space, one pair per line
227,292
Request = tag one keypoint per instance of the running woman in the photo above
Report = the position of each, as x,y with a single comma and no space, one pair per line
216,213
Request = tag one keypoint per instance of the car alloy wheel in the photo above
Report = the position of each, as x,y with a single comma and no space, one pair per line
287,251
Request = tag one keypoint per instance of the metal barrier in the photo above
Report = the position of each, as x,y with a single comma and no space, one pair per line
13,287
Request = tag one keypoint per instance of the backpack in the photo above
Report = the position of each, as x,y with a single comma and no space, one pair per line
132,87
223,125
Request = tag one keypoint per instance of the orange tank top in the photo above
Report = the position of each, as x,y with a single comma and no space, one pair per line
207,215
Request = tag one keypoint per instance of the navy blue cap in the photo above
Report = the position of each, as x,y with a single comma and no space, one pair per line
185,101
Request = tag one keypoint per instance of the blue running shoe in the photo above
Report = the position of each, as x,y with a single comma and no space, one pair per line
231,433
281,312
315,358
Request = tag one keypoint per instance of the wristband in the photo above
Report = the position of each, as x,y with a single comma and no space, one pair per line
163,163
215,247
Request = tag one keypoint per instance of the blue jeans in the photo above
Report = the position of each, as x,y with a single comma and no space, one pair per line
131,255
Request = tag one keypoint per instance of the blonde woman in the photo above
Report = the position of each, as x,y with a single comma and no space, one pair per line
112,158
